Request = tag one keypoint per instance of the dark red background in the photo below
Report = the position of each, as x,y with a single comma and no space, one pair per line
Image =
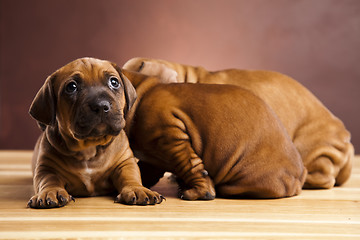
314,41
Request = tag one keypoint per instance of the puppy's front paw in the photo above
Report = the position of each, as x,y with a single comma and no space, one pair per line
138,196
50,198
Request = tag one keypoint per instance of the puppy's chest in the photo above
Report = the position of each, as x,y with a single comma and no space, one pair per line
94,179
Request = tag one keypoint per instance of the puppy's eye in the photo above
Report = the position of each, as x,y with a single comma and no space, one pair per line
71,87
114,83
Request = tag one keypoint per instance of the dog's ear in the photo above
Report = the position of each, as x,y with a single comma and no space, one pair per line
130,92
152,68
42,108
163,72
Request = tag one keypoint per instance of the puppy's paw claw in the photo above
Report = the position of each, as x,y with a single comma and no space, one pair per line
50,198
138,196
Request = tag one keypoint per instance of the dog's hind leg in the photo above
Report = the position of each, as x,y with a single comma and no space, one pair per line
196,184
326,152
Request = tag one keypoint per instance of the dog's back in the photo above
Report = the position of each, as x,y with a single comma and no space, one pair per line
240,140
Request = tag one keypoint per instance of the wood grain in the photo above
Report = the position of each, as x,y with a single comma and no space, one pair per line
315,214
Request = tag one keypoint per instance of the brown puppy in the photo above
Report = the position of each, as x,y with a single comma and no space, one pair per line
83,150
213,137
320,137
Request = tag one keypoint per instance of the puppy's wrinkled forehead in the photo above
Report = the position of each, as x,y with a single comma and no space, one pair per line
90,70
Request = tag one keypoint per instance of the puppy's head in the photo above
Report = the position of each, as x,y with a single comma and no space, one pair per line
88,100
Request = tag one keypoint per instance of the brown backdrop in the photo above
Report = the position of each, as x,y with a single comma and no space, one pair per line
316,42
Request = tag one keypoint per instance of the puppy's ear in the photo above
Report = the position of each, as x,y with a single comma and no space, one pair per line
160,70
130,92
42,108
152,68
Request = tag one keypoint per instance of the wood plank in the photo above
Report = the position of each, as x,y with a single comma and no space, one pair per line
315,214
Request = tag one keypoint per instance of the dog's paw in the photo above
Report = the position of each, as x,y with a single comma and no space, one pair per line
202,190
138,196
197,194
51,198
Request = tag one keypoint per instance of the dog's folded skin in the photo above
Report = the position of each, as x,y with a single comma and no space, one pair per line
218,140
83,150
320,137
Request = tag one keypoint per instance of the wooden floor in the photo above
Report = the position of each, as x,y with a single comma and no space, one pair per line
315,214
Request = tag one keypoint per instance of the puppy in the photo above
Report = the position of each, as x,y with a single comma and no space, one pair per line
215,138
320,137
83,150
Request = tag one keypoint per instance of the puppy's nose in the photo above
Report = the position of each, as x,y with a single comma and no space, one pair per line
101,106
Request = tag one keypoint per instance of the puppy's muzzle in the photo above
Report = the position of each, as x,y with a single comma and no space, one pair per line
100,107
98,116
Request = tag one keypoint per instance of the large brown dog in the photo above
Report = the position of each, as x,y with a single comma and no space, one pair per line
213,137
84,150
320,137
